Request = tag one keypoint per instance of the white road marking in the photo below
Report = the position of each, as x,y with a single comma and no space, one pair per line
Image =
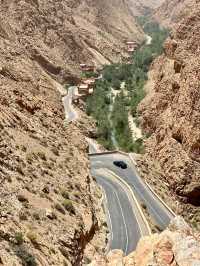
149,206
140,229
109,217
121,180
127,239
127,194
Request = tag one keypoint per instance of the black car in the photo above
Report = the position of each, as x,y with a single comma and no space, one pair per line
120,164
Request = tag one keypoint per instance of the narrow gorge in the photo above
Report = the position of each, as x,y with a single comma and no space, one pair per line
100,126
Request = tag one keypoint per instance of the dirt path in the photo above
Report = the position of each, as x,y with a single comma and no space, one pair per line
135,131
148,40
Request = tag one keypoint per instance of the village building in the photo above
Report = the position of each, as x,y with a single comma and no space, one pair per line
90,82
131,45
87,86
87,68
83,89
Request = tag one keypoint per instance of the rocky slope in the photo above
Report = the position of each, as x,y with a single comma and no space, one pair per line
50,211
144,7
172,11
49,205
176,246
171,118
59,35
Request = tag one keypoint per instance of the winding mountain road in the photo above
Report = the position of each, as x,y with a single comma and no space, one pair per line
124,190
157,210
126,222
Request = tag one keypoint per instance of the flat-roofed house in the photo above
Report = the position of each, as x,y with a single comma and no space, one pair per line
131,46
83,88
90,82
87,68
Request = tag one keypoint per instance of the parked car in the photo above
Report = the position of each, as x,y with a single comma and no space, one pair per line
120,164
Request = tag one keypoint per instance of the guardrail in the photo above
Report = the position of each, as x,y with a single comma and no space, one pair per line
159,198
102,153
135,164
106,212
155,194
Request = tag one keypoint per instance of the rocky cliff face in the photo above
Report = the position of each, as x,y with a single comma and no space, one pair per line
176,246
50,211
49,205
171,117
144,7
58,35
172,11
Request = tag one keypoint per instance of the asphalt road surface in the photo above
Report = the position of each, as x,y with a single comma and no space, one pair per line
159,213
125,230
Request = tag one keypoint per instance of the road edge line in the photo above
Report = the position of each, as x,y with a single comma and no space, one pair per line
166,206
135,199
152,190
107,216
121,209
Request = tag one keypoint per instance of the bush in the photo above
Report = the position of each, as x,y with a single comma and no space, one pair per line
59,208
32,236
19,238
138,146
67,204
116,84
26,258
65,193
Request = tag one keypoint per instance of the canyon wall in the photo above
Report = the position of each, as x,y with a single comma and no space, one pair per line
50,207
144,7
172,11
61,34
170,117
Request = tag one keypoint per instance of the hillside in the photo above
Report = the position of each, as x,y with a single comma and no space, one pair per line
170,118
172,11
58,35
50,206
144,7
178,245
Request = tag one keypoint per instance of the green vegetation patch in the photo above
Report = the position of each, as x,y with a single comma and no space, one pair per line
134,76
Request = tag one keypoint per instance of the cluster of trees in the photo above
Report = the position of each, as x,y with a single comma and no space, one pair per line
134,75
98,107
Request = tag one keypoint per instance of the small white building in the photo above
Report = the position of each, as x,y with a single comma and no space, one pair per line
83,88
131,46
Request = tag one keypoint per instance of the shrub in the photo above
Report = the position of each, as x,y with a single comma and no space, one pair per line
32,236
68,205
19,238
26,258
144,206
65,193
59,208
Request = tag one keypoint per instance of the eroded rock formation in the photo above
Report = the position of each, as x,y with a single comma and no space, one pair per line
171,118
50,207
176,246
